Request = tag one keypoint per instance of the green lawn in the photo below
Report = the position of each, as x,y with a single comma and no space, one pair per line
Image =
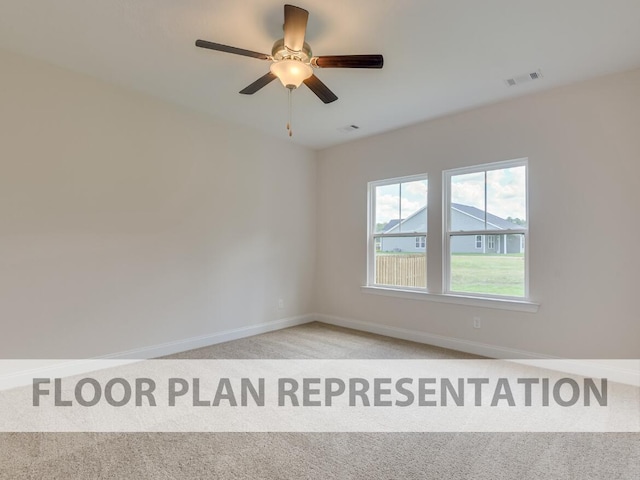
488,273
493,274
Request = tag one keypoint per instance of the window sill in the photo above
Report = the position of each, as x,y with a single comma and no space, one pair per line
497,303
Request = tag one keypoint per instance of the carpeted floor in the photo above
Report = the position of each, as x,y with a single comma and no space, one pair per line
320,456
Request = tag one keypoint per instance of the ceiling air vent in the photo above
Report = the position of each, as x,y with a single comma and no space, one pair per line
348,129
527,77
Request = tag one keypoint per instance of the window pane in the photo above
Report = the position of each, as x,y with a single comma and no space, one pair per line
484,266
506,196
399,234
467,202
401,262
387,207
413,203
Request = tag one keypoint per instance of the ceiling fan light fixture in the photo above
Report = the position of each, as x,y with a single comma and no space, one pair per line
291,72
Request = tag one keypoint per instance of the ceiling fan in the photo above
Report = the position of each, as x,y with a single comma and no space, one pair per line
292,61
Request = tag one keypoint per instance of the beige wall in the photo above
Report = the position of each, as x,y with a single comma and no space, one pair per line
583,145
126,222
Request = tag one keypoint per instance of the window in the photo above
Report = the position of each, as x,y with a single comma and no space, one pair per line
397,253
486,204
484,237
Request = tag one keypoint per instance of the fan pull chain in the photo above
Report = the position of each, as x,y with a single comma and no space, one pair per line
289,122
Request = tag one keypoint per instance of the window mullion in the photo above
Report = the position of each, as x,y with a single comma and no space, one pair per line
485,200
400,207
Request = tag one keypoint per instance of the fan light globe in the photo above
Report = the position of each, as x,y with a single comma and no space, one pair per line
291,72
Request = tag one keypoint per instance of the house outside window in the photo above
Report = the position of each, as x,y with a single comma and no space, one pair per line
398,226
486,205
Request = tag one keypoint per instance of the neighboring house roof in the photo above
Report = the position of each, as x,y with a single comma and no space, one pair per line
493,220
395,224
390,225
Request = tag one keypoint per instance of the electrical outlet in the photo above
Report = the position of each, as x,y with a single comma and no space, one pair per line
280,303
477,323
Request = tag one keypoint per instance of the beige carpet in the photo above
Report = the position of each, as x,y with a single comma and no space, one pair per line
320,456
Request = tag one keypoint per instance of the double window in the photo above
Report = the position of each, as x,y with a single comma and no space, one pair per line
485,226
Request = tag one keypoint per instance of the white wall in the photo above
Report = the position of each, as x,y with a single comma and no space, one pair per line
126,222
583,145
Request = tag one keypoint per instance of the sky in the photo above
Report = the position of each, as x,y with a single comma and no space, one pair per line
414,197
506,190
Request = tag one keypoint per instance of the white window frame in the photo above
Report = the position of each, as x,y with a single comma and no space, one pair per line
479,242
372,235
447,234
491,242
421,241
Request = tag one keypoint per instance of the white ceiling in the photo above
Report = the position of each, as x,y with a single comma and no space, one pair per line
441,56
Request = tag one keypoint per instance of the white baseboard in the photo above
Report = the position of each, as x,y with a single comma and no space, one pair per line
11,378
466,346
623,371
169,348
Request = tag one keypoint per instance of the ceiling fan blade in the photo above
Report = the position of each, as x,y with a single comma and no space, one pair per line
295,27
258,84
226,48
320,89
348,61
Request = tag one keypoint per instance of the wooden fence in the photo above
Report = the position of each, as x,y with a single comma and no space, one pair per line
407,270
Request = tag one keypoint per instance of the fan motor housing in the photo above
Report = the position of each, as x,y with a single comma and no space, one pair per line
281,52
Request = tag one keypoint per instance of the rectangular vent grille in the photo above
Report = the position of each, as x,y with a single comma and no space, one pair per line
348,128
527,77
